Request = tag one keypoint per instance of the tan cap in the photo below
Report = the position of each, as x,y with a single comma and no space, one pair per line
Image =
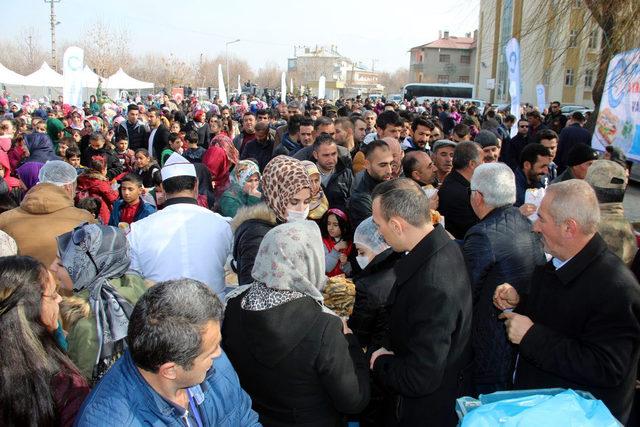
606,174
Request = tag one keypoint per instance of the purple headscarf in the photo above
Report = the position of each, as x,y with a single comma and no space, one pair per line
28,173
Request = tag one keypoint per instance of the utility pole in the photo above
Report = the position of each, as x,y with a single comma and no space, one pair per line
54,63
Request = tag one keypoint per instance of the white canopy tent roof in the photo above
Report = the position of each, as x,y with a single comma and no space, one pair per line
44,77
10,77
91,79
121,80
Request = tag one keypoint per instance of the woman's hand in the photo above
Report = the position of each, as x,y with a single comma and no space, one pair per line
340,245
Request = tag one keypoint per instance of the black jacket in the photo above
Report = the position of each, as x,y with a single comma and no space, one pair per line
295,363
359,204
160,141
138,134
262,152
500,248
511,150
569,137
306,153
114,167
204,133
455,205
586,328
429,332
373,286
338,188
250,226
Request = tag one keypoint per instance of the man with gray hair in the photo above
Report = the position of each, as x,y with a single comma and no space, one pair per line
577,325
427,364
46,212
500,248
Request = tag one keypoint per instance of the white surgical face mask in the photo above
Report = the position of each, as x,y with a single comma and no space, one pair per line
293,216
363,261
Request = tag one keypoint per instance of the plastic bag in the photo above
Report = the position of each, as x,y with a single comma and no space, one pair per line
563,409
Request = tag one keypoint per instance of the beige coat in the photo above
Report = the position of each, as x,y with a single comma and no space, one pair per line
45,213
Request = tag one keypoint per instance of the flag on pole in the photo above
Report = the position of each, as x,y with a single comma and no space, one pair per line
222,93
73,75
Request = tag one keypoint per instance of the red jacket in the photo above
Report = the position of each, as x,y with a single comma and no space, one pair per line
329,244
94,185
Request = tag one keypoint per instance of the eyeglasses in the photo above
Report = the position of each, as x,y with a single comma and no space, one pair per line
524,126
471,190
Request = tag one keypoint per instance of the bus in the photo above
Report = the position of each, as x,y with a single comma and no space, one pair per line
438,91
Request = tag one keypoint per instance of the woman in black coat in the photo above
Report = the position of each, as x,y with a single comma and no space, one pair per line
297,360
373,284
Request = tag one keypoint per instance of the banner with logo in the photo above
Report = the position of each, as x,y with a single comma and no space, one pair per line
512,52
618,121
540,95
73,74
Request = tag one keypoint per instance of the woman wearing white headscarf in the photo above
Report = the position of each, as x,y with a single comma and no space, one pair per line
373,284
294,357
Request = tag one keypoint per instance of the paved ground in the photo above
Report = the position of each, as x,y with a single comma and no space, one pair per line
632,202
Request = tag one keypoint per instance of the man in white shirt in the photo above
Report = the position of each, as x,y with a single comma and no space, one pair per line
183,240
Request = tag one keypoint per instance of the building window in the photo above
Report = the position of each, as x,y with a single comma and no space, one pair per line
545,77
443,79
593,39
588,78
463,79
465,59
573,38
445,58
568,77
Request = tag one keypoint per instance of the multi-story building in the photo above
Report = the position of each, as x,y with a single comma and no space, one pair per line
559,48
343,76
449,59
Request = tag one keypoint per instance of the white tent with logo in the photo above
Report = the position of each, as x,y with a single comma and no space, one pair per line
45,76
121,80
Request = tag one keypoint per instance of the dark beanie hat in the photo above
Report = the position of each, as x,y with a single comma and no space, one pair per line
486,139
581,153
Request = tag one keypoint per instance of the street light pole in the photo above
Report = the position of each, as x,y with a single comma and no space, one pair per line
226,55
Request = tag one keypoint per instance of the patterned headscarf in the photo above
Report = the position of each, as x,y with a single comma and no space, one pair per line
291,258
227,145
244,170
93,254
282,178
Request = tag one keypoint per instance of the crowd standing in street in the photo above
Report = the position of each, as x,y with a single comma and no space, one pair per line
165,263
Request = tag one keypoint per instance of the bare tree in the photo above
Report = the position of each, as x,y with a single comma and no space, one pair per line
395,81
269,76
108,51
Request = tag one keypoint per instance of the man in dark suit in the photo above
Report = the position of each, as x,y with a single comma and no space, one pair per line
159,136
427,361
454,192
578,323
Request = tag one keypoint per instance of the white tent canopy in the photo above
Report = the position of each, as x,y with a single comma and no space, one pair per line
91,79
121,80
44,77
10,77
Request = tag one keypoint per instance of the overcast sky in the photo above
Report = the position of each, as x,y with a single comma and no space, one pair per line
379,30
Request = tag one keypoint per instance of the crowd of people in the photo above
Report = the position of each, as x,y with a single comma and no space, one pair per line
482,261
